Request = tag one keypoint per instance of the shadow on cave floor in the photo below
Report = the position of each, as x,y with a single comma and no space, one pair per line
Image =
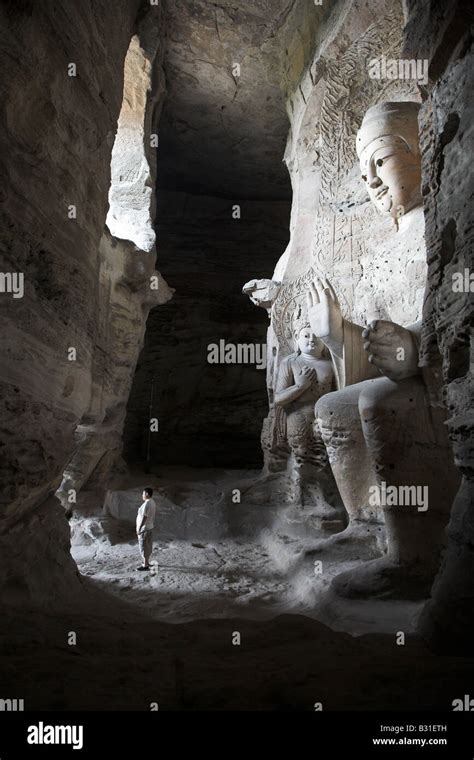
124,661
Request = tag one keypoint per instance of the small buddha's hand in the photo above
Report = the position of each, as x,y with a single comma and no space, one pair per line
305,378
392,349
324,311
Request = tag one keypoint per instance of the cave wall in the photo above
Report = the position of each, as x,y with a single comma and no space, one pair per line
129,285
229,67
209,414
441,33
57,137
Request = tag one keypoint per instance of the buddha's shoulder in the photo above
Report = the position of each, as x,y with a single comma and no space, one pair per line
290,360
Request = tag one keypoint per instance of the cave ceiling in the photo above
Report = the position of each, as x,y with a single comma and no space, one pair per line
221,133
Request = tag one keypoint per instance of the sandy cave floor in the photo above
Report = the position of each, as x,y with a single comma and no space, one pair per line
189,580
168,636
251,578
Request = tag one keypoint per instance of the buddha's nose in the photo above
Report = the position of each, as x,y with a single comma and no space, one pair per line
375,182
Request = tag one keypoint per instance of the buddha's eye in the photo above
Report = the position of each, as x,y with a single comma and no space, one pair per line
364,177
379,162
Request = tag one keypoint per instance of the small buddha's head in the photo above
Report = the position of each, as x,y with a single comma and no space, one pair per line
307,342
389,154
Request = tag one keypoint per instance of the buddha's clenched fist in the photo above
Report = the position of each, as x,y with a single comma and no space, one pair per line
391,348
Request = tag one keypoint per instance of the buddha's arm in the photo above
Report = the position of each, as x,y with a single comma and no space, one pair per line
415,330
335,340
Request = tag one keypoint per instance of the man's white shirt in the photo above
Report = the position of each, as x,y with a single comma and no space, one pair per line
148,508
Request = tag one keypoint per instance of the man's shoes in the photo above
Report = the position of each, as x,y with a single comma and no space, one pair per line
141,568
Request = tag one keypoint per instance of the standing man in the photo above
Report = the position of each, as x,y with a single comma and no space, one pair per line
145,522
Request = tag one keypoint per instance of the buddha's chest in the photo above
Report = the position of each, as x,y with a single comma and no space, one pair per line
393,278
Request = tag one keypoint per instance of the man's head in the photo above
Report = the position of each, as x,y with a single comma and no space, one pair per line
389,154
147,493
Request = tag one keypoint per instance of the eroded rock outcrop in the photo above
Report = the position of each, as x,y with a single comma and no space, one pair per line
125,277
70,343
442,38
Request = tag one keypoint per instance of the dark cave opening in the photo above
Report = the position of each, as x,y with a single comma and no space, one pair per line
209,415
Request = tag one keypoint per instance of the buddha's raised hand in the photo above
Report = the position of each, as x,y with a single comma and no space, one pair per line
324,312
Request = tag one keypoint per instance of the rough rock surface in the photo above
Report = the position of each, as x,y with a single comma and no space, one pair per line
130,194
69,346
223,129
446,122
58,255
126,298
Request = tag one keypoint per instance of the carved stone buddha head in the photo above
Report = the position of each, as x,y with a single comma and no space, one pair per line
306,341
389,154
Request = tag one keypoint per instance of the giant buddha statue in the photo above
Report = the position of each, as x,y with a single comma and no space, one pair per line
385,435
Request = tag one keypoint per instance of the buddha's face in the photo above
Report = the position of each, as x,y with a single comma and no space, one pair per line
392,174
308,343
